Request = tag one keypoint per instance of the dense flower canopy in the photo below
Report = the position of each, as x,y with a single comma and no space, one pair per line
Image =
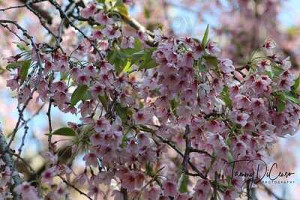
144,99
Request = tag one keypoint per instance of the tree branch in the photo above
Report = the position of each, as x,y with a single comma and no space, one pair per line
8,160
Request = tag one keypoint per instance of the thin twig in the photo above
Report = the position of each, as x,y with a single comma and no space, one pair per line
50,126
7,159
74,187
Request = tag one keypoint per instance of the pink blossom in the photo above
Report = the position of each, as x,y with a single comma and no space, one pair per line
111,32
241,118
211,48
13,83
96,139
103,19
142,117
257,105
48,175
226,66
241,101
286,63
170,188
101,125
230,194
103,45
128,42
91,159
89,11
213,126
269,44
128,181
265,65
81,179
27,191
152,193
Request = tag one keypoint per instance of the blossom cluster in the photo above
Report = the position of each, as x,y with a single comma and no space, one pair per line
157,121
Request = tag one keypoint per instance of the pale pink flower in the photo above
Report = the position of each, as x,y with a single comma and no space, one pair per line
48,175
89,11
96,139
13,83
230,195
95,192
257,105
269,44
97,89
50,157
285,84
91,159
83,79
103,19
127,42
103,45
170,188
97,34
241,118
118,195
142,117
128,181
182,197
259,86
27,191
201,190
264,65
81,179
58,86
111,32
101,125
241,101
198,51
226,66
152,194
211,48
286,63
213,126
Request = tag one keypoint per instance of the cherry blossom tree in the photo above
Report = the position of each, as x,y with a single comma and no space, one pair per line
161,116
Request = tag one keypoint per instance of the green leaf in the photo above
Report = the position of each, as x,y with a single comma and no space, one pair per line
296,85
149,169
281,103
226,97
121,7
202,68
205,37
23,47
292,98
101,1
137,44
104,101
127,67
78,94
11,66
123,112
147,13
276,71
174,105
230,159
147,61
119,59
24,70
184,182
17,64
211,60
65,131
